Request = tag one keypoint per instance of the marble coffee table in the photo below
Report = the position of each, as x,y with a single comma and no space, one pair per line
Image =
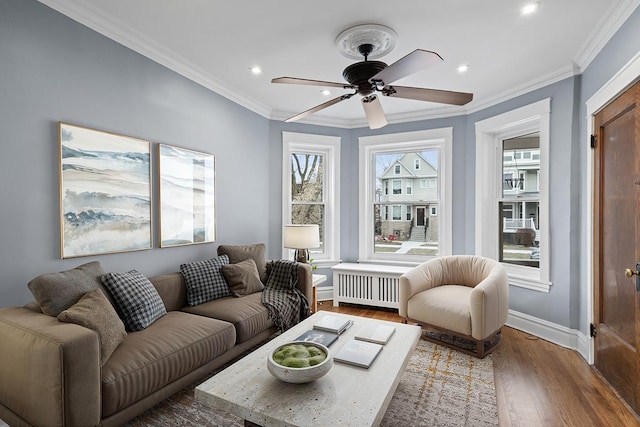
346,396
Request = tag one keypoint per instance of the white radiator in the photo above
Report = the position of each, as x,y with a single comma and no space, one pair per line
367,284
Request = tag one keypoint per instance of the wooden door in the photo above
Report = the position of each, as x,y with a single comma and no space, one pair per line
420,214
617,244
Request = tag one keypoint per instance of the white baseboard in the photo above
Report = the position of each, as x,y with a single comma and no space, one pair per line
557,334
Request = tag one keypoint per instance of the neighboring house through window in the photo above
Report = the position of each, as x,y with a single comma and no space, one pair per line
512,193
410,233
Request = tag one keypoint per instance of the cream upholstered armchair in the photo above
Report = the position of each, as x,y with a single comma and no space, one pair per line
464,295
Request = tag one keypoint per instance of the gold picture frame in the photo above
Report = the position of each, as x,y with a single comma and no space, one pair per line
105,192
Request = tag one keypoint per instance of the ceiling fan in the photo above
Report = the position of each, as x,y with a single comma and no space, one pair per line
368,77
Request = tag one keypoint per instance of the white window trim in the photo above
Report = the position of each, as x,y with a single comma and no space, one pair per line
329,146
420,140
489,136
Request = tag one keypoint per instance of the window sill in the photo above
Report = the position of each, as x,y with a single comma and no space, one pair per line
529,283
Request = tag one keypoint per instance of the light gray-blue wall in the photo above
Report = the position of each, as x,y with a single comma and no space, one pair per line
53,69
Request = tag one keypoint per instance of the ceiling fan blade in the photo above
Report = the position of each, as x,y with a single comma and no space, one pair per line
373,111
319,107
416,61
297,81
431,95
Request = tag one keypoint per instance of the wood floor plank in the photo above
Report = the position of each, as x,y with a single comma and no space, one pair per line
538,383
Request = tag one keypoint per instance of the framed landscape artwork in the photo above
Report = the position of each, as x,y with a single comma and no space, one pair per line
105,192
187,196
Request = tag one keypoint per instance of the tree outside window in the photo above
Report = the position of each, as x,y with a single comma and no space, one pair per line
307,195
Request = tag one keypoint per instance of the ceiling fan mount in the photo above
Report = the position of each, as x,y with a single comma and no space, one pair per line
367,77
360,73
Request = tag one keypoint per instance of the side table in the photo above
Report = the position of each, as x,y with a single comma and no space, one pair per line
317,279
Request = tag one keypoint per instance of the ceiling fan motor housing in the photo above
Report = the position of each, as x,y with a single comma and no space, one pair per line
358,74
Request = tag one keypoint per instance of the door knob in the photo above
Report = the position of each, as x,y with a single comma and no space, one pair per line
630,273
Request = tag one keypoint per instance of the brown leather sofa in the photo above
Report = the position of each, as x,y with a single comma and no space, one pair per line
50,372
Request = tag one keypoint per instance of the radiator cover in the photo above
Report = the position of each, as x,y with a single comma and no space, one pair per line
367,284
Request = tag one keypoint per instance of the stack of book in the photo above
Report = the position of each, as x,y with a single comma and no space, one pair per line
366,346
327,330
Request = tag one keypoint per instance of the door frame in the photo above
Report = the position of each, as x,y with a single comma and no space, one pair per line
621,81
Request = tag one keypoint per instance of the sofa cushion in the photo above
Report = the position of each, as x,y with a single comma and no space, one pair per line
137,301
55,292
170,348
248,315
243,278
204,280
257,252
172,290
94,311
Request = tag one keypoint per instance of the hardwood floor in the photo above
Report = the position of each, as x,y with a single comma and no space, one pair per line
538,383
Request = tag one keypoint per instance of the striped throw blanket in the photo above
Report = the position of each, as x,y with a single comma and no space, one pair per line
286,304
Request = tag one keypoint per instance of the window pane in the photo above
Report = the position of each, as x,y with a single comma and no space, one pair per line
310,214
306,177
403,223
519,209
519,237
520,175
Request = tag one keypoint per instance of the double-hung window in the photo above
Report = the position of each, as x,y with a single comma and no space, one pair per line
512,193
311,167
404,227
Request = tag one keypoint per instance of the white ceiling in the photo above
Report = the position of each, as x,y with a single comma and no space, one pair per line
215,43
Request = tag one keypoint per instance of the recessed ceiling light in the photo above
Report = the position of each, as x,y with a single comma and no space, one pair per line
326,92
463,68
256,70
529,9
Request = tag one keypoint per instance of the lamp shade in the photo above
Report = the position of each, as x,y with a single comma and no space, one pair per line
301,236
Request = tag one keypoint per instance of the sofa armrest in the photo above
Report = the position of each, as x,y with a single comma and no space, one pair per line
49,370
305,281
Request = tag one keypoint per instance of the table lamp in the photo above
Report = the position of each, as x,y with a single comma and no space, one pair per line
301,237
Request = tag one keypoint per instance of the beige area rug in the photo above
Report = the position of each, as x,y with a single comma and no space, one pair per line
440,387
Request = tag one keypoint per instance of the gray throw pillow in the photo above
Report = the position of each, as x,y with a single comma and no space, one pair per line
95,312
55,292
137,301
243,278
204,280
257,252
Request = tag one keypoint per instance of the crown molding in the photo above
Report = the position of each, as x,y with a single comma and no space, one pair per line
611,21
117,31
91,17
554,77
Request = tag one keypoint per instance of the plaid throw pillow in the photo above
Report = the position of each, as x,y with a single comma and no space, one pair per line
137,301
205,281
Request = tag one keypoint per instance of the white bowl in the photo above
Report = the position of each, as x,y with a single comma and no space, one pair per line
300,375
